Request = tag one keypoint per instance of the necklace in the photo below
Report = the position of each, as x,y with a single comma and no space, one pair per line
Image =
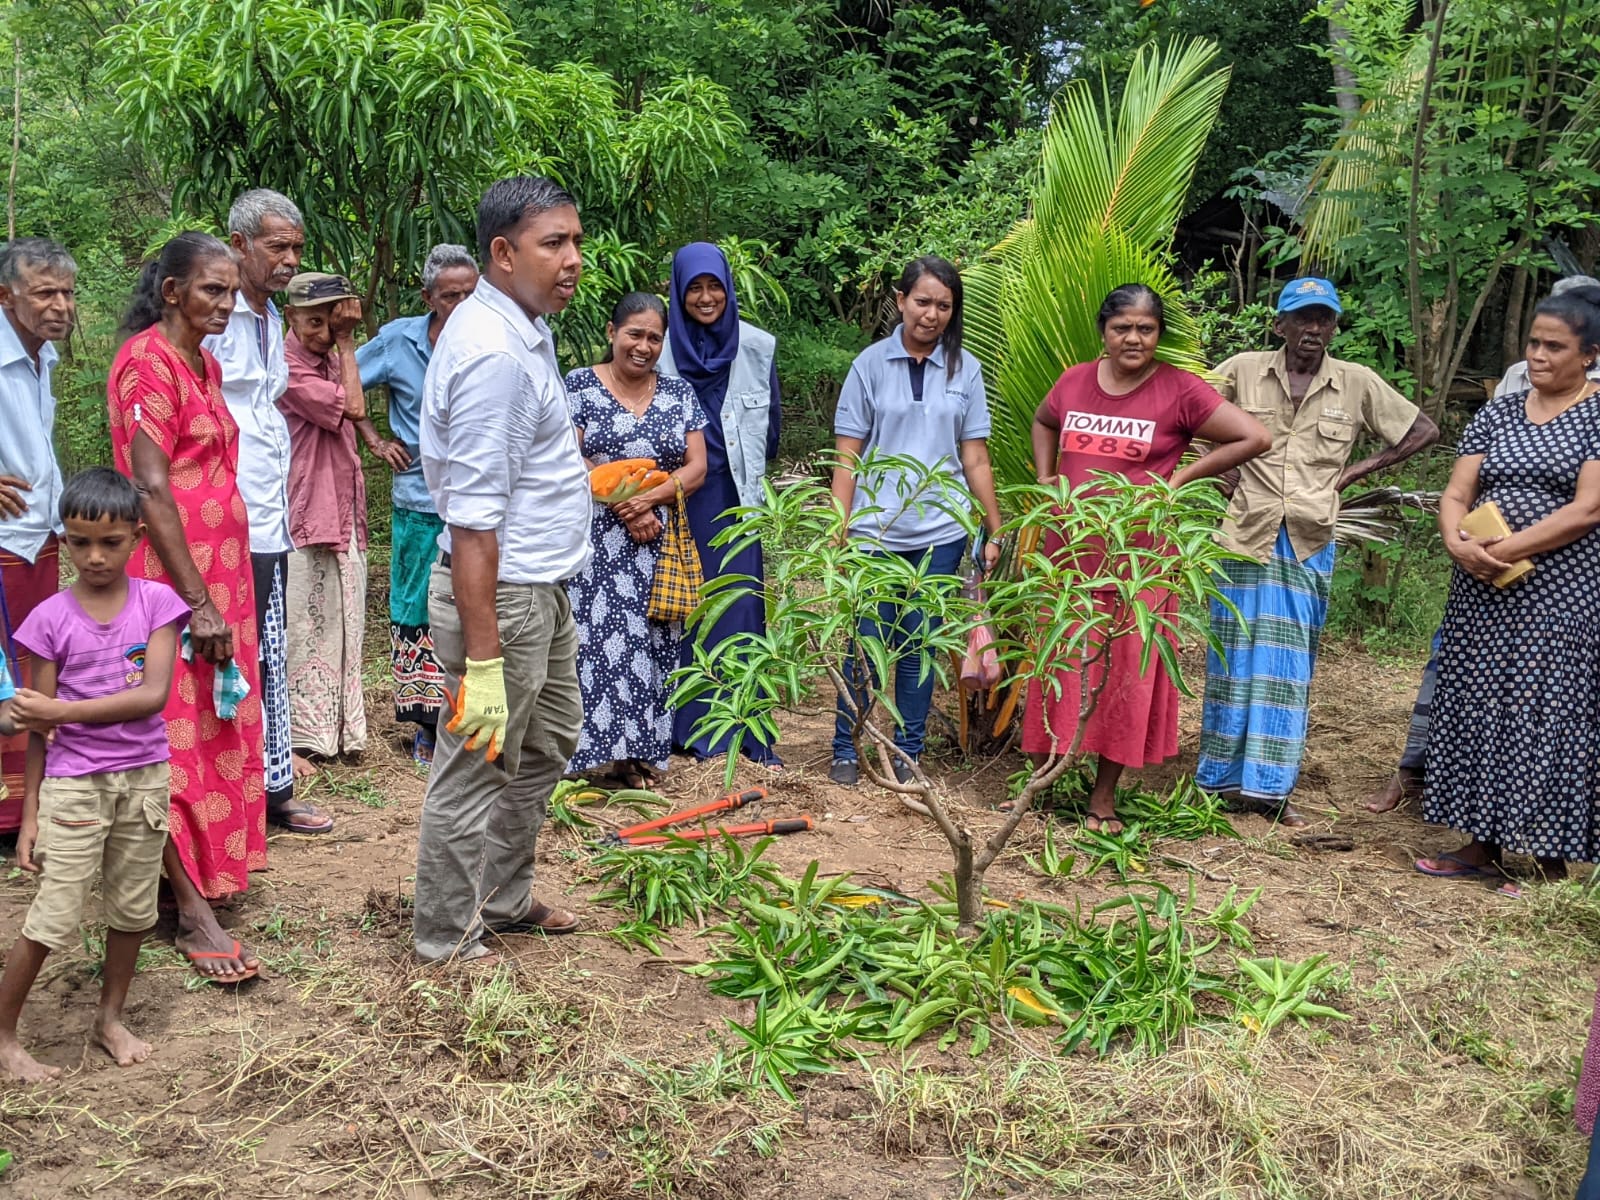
634,404
1568,401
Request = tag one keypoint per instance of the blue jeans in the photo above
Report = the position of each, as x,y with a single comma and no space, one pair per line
1589,1189
913,687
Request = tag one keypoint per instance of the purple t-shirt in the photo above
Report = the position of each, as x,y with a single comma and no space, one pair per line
94,660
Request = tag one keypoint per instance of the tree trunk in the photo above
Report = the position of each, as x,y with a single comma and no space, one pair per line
1429,358
1511,337
1344,79
969,890
16,137
1373,600
1586,247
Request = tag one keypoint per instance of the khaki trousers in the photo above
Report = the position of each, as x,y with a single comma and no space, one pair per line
481,819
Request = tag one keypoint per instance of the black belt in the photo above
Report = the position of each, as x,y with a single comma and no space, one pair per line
444,558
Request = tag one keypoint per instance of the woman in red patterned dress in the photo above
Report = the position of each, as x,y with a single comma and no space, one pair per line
172,435
1126,414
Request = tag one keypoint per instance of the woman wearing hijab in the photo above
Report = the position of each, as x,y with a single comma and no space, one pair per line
732,366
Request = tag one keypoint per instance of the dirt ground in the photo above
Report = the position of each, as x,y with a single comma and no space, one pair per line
349,1071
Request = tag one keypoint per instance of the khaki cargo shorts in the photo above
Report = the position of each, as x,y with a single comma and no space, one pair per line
114,825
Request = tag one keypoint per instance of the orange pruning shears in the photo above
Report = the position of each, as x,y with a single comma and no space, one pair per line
645,833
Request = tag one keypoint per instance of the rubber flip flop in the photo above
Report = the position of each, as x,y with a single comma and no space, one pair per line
1465,870
197,956
284,819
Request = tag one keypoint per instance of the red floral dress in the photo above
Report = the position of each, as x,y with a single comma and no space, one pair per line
219,805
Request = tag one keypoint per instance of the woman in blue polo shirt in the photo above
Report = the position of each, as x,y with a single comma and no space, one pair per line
914,394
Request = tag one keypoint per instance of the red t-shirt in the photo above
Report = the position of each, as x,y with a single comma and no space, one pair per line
1141,434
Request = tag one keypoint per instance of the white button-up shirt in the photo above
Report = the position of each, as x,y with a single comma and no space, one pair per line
27,448
254,375
499,451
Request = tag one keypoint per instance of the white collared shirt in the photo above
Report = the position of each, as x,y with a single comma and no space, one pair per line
254,375
499,451
1517,379
27,449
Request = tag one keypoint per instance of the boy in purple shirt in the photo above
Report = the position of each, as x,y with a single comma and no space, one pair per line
96,792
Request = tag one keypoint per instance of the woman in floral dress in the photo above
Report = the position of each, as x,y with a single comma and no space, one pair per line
172,435
624,408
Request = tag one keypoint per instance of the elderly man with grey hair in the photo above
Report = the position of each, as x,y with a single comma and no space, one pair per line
1406,781
397,358
37,282
267,232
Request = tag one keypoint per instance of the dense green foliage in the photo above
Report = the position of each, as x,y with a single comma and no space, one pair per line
823,144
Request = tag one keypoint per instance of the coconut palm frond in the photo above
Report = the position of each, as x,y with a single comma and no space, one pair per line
1130,170
1109,192
1379,516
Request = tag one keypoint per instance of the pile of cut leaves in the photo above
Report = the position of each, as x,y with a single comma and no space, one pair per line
833,967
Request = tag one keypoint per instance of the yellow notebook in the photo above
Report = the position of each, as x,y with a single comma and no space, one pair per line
1485,521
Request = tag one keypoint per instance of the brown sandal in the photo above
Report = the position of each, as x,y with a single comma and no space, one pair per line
541,918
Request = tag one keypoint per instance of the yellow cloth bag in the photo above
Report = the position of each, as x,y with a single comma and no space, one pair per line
675,590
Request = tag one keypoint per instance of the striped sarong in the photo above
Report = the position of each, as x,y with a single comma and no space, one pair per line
1258,691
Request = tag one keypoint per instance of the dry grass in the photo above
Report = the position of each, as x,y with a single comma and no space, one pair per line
575,1071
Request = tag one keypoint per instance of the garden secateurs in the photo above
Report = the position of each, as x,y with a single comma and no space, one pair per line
646,833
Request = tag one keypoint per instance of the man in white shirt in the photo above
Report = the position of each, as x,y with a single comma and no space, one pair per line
502,464
37,293
267,231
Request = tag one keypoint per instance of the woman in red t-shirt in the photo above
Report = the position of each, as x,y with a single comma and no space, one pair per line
1135,416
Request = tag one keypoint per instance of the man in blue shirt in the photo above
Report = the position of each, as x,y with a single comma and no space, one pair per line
37,295
398,358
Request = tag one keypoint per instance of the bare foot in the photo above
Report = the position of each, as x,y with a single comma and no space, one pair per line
1403,785
304,768
113,1037
19,1064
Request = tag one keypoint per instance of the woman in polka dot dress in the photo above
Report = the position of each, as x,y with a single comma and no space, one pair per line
172,435
624,408
1514,749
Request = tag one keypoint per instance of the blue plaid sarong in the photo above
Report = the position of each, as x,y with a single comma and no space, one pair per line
1258,693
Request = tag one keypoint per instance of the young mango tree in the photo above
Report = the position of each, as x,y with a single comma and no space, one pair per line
1143,566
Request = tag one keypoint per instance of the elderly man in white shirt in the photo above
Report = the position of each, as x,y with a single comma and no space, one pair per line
37,293
267,231
502,464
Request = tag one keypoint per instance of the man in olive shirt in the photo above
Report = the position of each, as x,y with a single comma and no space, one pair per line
1281,516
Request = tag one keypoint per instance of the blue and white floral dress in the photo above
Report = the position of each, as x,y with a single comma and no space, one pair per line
623,659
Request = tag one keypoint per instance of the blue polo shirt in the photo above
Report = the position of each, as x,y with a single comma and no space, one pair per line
398,356
880,405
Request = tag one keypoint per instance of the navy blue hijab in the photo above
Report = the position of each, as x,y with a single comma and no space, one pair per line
703,354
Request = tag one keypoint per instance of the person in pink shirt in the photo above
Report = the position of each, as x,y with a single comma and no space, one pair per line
1128,414
327,590
95,797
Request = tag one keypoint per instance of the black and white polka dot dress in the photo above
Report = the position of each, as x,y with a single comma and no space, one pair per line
1514,745
623,659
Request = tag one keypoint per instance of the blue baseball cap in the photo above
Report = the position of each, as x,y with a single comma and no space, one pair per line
1306,292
